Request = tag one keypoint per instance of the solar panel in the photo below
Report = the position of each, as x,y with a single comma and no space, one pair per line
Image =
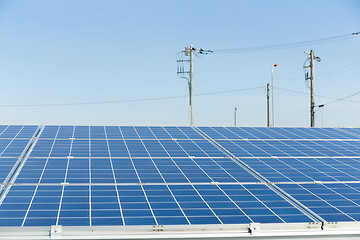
333,202
150,176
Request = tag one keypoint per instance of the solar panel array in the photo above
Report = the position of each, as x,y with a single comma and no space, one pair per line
109,175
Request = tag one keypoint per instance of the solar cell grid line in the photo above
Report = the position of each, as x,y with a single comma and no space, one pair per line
245,214
153,163
256,133
164,180
66,132
197,193
215,178
115,181
90,179
36,187
337,133
239,131
160,133
11,131
4,148
128,132
317,132
349,164
139,179
305,147
234,148
285,133
180,168
263,205
97,132
273,176
243,171
3,128
302,134
82,132
49,132
333,172
273,133
232,133
190,132
353,131
27,131
144,132
63,187
333,147
200,148
316,175
269,133
174,132
320,199
282,148
211,132
349,146
113,132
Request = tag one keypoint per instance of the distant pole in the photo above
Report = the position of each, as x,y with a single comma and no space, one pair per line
268,103
235,111
272,95
191,87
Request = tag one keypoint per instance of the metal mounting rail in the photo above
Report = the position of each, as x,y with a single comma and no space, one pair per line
19,163
302,208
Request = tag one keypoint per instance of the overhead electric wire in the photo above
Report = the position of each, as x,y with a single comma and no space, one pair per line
285,45
341,99
125,101
335,99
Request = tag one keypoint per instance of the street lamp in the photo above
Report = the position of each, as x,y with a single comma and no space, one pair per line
272,95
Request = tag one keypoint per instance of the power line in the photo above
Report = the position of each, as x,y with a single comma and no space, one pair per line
126,101
340,99
335,99
325,73
285,45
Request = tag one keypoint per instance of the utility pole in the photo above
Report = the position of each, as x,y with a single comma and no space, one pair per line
191,49
312,103
235,111
187,72
312,79
268,103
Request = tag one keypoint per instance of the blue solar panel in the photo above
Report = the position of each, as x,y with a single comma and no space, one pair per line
17,131
333,202
145,205
280,133
115,132
116,176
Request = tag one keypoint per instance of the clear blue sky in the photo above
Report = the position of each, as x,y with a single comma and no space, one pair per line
92,51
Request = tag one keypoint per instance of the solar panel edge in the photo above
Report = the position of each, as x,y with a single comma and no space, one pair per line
22,158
